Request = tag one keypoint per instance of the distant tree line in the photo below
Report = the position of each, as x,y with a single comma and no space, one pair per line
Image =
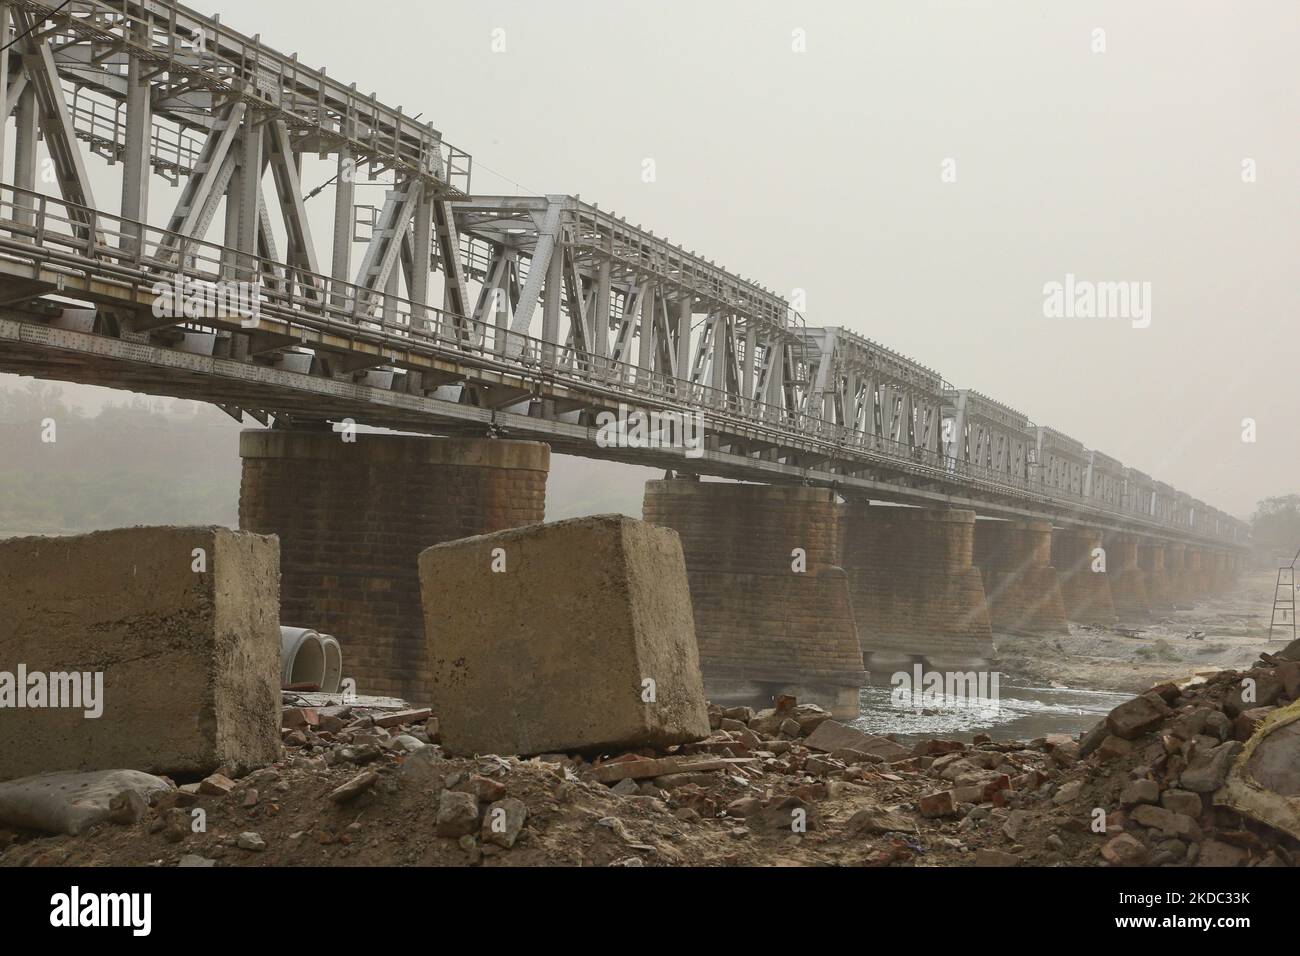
143,461
1275,528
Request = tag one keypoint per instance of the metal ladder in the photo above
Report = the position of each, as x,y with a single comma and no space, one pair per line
1285,579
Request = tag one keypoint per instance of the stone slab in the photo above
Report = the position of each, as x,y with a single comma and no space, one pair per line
831,735
188,660
551,653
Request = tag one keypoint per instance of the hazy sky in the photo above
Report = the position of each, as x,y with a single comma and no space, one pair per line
821,170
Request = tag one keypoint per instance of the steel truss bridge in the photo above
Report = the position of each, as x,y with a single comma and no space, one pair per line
549,310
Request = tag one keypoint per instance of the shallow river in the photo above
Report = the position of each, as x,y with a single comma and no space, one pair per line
1022,711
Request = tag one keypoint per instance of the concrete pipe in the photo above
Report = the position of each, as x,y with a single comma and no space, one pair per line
333,664
302,657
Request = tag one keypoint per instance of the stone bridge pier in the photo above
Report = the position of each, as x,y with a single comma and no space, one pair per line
1224,575
1127,581
1085,588
1155,576
1234,569
1214,572
916,591
352,517
772,608
1021,585
1210,576
1196,571
1180,592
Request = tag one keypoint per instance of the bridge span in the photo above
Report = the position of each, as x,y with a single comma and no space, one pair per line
883,513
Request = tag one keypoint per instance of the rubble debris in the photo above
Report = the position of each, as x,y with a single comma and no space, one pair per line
753,791
400,717
1209,767
879,820
1264,783
295,717
1134,717
457,814
354,787
1124,850
503,821
218,784
67,802
586,642
640,769
127,807
831,735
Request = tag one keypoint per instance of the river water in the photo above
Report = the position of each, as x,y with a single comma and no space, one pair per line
1022,711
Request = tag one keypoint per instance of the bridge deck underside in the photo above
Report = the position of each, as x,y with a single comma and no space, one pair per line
31,347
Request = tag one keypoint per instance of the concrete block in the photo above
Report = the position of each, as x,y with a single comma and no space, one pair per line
550,654
188,661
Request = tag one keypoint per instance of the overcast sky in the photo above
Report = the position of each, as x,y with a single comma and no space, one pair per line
823,170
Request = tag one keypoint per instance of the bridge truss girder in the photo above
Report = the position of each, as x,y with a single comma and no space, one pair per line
575,310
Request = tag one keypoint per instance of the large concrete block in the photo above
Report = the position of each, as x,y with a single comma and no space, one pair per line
550,654
189,659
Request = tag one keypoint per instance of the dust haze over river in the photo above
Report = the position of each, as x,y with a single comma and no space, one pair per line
1023,710
1066,683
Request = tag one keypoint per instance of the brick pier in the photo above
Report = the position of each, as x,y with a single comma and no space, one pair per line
915,589
1086,592
1127,582
1155,576
764,628
1180,587
1023,590
352,518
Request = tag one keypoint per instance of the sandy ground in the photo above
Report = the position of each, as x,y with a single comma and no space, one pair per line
1232,630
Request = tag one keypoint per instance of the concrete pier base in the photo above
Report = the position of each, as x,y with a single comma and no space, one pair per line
575,635
1020,584
772,609
916,592
1085,590
353,517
